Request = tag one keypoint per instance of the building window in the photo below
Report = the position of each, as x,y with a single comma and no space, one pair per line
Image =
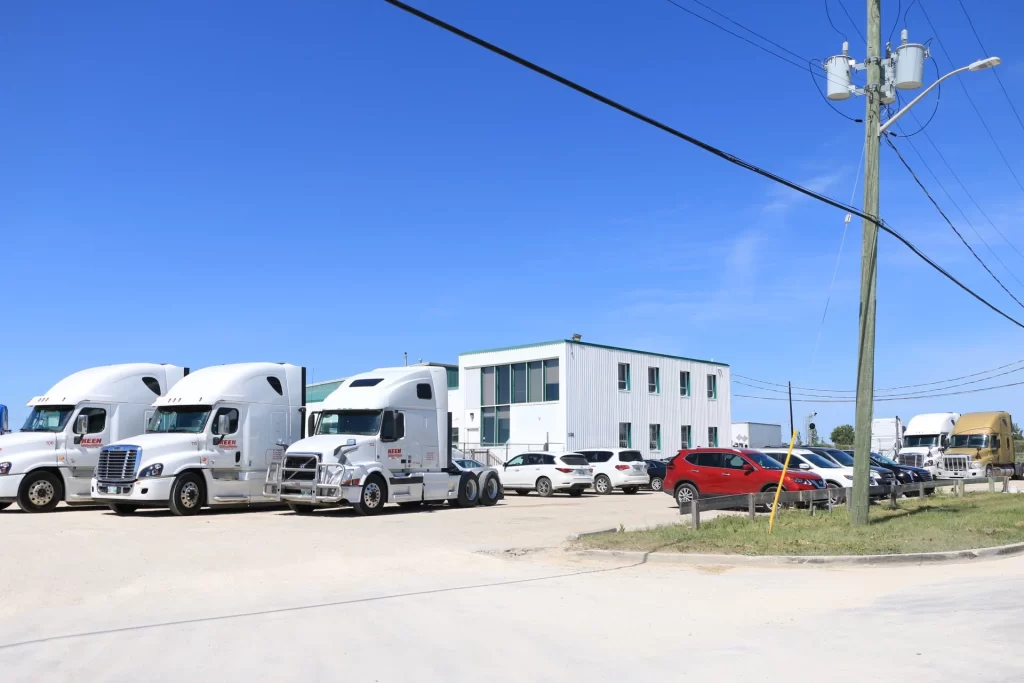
495,429
684,383
455,435
504,375
624,377
655,431
712,436
453,378
625,435
686,436
519,383
487,386
712,386
535,382
654,380
551,380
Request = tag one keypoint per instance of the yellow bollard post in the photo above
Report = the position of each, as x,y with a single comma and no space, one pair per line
782,478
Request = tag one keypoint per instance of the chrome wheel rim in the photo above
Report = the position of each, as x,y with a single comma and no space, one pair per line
684,495
543,487
41,493
656,484
492,488
189,495
371,495
472,489
602,485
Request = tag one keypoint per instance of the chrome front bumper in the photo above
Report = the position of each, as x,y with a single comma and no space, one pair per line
328,484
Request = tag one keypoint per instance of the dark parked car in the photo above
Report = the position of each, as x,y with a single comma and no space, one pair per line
905,473
656,468
886,476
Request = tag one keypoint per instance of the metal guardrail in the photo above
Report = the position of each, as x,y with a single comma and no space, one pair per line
829,498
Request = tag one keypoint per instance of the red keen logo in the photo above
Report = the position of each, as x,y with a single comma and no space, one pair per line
228,443
394,452
92,442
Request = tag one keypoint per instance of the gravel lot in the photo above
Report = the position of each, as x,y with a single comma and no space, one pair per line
440,596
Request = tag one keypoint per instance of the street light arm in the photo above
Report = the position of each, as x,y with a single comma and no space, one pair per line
901,112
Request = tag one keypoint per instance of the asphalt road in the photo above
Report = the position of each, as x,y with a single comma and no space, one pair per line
468,595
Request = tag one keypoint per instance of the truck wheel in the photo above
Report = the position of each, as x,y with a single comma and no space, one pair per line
300,508
187,494
122,509
602,484
373,496
490,492
544,488
40,491
469,490
630,489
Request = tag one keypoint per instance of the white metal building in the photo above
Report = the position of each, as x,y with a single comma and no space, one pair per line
568,394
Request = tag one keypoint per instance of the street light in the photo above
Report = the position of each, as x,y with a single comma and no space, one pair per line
979,65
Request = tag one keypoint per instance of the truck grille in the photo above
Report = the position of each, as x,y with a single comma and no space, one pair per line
955,463
911,459
299,467
117,463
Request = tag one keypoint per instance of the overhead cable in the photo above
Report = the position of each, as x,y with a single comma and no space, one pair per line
880,399
994,72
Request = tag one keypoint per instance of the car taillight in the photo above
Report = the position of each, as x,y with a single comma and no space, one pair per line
622,468
565,470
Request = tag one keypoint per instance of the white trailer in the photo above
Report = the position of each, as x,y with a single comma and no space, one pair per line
886,436
209,443
52,458
382,437
925,440
756,434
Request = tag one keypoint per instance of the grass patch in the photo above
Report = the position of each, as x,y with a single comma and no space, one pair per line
939,522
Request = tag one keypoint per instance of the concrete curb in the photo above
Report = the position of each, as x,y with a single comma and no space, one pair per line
576,537
783,560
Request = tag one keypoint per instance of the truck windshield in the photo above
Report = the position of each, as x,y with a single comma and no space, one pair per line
920,440
48,419
355,422
178,420
970,441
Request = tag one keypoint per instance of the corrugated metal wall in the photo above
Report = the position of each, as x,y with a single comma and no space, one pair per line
595,406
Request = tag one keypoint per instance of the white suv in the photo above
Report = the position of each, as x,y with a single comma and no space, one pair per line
836,476
617,468
546,472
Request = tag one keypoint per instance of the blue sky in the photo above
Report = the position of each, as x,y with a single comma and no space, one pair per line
332,184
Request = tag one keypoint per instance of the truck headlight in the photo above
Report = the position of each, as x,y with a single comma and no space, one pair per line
5,468
152,471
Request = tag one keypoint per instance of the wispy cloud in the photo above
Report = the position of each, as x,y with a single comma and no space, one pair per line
782,199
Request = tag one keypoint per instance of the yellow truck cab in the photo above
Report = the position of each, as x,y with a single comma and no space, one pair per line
981,445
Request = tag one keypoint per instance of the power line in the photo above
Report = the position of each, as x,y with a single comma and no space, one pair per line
971,100
995,73
731,158
832,23
884,398
852,22
950,223
904,386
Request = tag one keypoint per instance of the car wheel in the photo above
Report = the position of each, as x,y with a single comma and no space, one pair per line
833,494
490,492
122,509
657,483
602,484
469,490
544,488
630,489
685,494
522,492
575,493
373,496
39,492
300,508
772,489
187,494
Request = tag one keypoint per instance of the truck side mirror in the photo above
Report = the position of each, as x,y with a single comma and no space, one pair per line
224,424
82,424
387,426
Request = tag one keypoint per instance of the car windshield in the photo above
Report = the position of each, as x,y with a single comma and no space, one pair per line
920,440
766,462
970,441
48,419
839,456
178,419
819,461
357,422
877,458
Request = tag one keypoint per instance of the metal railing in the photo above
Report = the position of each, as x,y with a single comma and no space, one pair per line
828,498
496,456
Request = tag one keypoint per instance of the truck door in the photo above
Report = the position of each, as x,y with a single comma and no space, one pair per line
83,449
273,452
227,446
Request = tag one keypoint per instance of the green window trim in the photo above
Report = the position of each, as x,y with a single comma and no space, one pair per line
686,436
541,396
684,384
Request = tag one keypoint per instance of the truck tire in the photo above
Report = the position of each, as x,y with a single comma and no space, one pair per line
188,494
122,509
602,484
490,492
373,496
300,508
544,488
469,490
40,491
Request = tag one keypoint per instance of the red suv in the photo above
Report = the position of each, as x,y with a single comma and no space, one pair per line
724,472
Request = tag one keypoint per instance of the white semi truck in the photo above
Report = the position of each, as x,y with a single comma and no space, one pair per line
886,436
52,458
382,437
209,442
925,439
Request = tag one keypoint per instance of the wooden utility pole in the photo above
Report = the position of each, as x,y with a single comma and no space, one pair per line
868,271
790,407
